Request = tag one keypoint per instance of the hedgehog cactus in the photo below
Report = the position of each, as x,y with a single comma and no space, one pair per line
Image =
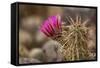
72,37
75,40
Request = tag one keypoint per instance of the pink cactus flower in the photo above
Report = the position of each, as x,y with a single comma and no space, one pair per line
52,26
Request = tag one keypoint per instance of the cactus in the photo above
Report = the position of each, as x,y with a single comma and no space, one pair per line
73,38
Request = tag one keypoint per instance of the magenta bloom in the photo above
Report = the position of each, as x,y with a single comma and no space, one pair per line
52,26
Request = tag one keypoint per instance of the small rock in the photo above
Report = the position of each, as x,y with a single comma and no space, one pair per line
28,60
23,52
51,50
31,23
37,53
25,38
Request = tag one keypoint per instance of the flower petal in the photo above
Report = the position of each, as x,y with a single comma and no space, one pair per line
51,26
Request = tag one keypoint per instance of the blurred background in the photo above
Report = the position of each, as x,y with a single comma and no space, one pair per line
34,46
